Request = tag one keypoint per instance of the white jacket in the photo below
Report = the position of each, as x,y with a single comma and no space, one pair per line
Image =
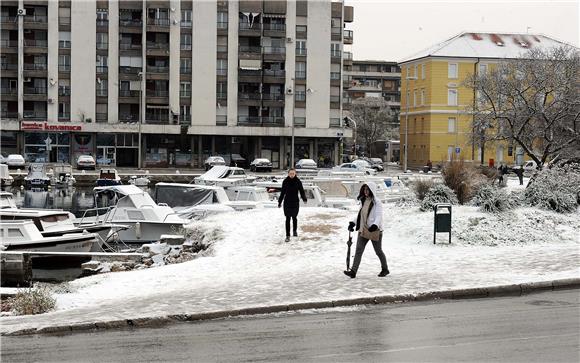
376,213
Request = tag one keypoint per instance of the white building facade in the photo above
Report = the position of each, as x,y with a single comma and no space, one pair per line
192,78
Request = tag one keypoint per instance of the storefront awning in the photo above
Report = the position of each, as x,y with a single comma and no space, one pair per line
251,64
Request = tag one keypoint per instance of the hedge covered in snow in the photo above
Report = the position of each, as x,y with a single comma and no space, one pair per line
439,193
555,189
492,199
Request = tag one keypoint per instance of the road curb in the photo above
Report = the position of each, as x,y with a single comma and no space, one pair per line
455,294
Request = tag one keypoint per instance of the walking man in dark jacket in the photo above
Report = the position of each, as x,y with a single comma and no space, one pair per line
520,173
291,187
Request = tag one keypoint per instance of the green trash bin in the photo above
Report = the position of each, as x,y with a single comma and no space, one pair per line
442,220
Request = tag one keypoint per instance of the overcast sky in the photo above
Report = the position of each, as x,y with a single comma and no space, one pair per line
383,30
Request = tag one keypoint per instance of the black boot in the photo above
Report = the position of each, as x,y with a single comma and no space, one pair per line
287,239
384,272
295,234
350,273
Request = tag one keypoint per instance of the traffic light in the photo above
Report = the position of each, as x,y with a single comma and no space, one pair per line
346,122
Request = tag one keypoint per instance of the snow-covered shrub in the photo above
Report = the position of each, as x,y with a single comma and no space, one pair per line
492,199
439,193
421,187
459,177
36,300
557,189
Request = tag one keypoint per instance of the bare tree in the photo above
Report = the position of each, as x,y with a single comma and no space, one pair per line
374,120
532,102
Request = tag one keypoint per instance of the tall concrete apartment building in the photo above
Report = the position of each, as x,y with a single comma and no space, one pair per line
188,78
368,78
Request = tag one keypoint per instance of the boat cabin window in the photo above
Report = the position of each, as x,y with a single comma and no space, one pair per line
239,172
14,233
243,195
135,215
54,218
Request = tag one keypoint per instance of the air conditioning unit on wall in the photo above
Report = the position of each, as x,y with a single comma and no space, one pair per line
21,12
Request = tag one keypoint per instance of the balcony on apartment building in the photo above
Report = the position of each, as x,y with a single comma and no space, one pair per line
250,75
347,36
9,17
128,45
335,78
64,90
262,121
102,69
6,44
250,49
221,120
274,53
31,114
347,59
250,98
63,116
130,18
102,116
8,92
128,117
273,99
9,114
274,75
35,45
36,18
157,68
336,33
347,81
158,19
129,70
157,117
249,29
334,102
9,66
274,29
35,69
128,93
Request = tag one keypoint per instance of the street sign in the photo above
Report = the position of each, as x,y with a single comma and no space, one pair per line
48,143
457,150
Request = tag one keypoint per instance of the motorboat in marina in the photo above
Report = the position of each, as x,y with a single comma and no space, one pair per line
139,181
6,179
37,177
7,201
55,222
23,235
315,196
62,176
224,175
131,206
196,200
108,177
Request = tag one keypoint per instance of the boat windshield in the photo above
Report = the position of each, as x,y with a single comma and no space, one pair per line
184,197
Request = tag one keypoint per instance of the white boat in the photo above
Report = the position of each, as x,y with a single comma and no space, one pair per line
6,179
108,177
141,181
224,176
128,205
62,176
37,177
23,235
7,201
315,196
55,222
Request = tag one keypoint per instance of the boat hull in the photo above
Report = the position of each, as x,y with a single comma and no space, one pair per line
55,244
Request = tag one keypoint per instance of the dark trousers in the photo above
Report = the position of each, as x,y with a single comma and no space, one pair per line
361,243
291,212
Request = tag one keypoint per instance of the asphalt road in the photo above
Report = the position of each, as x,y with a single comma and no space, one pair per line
534,328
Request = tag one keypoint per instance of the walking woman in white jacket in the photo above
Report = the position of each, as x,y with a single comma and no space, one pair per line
369,223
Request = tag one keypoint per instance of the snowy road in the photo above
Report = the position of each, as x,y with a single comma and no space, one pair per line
252,266
532,328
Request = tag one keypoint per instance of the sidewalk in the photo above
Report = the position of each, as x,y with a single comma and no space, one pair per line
252,266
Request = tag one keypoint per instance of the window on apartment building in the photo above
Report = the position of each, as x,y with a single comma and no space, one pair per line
102,63
450,150
422,97
415,71
102,87
482,69
186,18
301,47
408,99
423,71
415,98
452,70
185,112
64,87
300,93
451,121
130,61
301,28
185,42
222,67
102,112
221,90
452,97
185,89
102,41
64,63
64,110
300,70
335,50
222,20
102,16
185,65
64,40
64,15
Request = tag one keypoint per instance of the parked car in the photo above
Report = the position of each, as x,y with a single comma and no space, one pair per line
306,164
86,162
213,161
354,168
377,164
15,161
529,166
239,161
261,164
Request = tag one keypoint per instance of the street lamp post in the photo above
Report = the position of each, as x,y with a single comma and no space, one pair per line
139,161
293,106
407,119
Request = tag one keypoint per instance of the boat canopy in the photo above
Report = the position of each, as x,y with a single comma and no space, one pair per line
185,195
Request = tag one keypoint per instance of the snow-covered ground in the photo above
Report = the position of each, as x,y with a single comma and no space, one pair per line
253,266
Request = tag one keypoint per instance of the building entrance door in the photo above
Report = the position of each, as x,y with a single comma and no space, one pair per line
106,156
